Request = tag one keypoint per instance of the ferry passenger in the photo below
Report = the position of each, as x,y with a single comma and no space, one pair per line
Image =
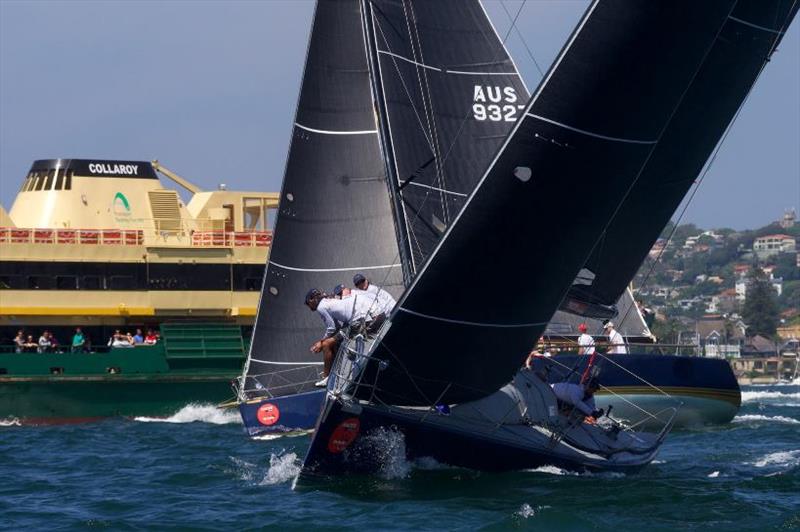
30,346
19,342
385,300
151,338
78,341
585,342
580,396
138,338
45,344
615,340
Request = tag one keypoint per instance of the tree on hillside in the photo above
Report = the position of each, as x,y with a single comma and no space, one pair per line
760,310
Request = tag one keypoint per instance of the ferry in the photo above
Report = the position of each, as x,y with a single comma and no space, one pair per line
119,298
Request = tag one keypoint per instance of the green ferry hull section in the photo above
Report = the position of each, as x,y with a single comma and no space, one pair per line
192,364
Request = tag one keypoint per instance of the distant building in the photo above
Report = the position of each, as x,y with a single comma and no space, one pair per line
720,337
789,219
769,245
743,283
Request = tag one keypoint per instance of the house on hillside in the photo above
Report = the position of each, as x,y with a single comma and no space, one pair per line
724,302
769,245
759,346
720,337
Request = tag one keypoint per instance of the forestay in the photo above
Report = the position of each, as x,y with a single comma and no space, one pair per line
750,35
465,325
335,216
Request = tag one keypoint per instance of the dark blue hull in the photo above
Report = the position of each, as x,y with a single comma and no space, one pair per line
289,413
372,440
705,387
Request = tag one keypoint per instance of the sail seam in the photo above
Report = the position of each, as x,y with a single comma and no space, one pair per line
473,323
756,26
287,363
589,133
415,184
332,132
354,268
445,70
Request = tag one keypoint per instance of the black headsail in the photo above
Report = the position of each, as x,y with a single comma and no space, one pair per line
464,326
739,54
335,216
449,94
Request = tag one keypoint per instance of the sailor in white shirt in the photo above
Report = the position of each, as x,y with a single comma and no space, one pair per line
616,341
585,342
385,302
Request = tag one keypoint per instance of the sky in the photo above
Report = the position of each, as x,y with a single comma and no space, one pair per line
209,88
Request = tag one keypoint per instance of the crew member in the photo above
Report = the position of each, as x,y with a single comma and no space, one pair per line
615,340
585,342
580,397
369,303
385,300
336,313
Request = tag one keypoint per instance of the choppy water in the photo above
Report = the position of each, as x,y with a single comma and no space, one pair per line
198,470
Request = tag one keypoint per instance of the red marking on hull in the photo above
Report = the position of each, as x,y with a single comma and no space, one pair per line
268,414
343,435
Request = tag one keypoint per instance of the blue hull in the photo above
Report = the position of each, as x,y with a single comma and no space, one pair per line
706,387
289,413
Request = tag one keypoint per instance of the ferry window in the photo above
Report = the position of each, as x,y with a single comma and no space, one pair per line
40,182
31,182
252,283
60,179
68,182
122,282
37,282
66,282
48,184
5,282
91,282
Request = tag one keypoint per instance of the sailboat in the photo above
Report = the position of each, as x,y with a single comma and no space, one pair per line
362,195
443,370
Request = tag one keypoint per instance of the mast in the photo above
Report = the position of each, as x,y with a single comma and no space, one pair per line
382,118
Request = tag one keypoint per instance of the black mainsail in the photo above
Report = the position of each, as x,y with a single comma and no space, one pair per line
376,198
335,216
464,326
749,37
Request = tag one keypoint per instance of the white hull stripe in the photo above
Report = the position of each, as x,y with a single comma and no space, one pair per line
330,132
473,323
286,363
437,69
415,184
589,133
756,26
353,269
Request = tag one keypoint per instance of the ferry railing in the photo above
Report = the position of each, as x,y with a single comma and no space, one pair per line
132,237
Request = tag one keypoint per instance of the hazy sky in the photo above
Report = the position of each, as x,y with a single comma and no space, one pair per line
210,88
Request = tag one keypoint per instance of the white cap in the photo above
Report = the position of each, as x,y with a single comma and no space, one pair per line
608,324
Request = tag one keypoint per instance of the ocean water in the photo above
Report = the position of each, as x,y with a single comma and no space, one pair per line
198,470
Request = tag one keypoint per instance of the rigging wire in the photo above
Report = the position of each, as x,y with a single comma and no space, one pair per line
519,33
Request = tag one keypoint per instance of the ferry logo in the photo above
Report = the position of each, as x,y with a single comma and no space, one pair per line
268,414
343,435
120,205
497,104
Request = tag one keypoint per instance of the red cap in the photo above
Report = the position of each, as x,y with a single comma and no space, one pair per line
582,327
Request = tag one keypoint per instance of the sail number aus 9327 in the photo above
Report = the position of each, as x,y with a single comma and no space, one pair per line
498,104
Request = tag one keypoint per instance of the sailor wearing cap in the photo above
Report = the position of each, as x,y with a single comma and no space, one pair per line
585,342
385,301
342,309
615,340
579,396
